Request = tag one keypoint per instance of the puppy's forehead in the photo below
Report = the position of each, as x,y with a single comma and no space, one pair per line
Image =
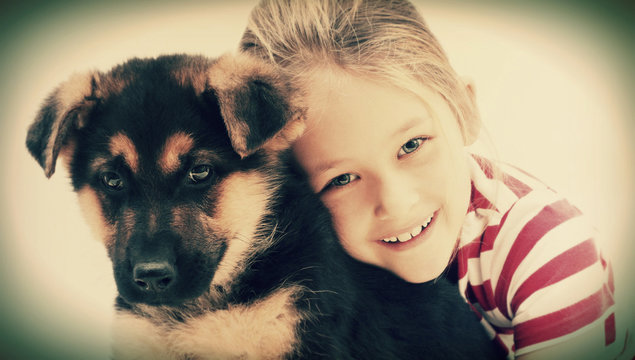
170,155
121,145
154,118
177,149
176,146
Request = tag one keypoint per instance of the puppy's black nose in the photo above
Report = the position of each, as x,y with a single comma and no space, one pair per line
153,276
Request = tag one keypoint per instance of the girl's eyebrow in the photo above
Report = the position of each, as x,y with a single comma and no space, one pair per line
410,124
321,167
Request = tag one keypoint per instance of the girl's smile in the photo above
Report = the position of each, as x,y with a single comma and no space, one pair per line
408,239
391,167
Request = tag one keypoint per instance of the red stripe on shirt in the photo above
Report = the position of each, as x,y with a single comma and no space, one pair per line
560,267
563,321
479,201
609,330
471,250
548,218
503,330
491,233
482,294
518,187
609,270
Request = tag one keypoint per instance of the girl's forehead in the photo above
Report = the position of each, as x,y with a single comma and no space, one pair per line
329,90
324,83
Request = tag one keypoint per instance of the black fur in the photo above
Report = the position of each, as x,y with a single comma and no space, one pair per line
357,311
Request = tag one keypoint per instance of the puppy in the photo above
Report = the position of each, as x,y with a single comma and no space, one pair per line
220,250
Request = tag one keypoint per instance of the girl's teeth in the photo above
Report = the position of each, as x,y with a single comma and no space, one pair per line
404,237
407,236
416,231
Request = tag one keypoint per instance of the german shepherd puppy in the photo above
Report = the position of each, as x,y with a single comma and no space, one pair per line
220,249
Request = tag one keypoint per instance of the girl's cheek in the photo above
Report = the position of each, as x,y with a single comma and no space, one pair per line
335,208
342,213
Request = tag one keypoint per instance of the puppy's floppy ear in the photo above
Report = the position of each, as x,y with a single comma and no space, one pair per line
62,112
254,103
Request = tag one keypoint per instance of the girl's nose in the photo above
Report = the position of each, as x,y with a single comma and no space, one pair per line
395,199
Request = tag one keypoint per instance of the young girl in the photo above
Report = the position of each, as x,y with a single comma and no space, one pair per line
389,123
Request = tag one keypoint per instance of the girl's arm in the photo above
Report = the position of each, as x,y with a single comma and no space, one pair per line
587,345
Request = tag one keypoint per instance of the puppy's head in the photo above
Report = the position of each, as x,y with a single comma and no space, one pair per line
171,158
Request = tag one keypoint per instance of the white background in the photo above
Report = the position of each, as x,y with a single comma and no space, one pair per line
551,89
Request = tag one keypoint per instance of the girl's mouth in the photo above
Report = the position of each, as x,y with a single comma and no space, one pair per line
416,233
409,235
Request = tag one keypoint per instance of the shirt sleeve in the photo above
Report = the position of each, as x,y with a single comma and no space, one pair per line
553,282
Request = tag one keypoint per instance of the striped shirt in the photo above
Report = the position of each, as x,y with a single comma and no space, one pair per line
528,263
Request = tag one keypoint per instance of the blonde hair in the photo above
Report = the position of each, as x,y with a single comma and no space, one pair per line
386,40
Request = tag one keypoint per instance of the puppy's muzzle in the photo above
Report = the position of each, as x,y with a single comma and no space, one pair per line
153,273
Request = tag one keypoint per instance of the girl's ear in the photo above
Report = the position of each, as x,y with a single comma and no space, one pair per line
472,124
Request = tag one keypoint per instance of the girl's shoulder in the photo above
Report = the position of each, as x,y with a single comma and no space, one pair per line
518,224
505,191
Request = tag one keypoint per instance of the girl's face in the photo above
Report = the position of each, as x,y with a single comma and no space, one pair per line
394,178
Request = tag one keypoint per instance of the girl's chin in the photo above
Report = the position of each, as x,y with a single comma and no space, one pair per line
418,273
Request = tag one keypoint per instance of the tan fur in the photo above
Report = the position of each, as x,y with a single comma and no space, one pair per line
73,90
265,329
126,225
138,338
283,139
175,146
108,86
178,217
90,205
121,144
185,77
241,205
232,72
152,222
97,164
70,94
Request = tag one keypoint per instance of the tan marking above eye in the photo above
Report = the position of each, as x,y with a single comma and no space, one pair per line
121,144
97,164
175,146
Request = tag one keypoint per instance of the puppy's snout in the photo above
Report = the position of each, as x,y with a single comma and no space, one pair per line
153,271
154,276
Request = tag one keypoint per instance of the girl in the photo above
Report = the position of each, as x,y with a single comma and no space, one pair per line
389,123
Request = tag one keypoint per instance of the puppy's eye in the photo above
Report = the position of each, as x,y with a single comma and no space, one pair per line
112,181
199,174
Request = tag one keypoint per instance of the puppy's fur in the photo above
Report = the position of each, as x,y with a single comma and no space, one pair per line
219,247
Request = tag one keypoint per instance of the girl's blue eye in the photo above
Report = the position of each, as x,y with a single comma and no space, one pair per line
341,180
410,146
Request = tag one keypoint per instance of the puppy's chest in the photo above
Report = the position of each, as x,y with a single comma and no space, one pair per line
265,329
